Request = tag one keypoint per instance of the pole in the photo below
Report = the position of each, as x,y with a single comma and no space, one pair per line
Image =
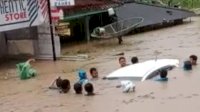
87,29
51,30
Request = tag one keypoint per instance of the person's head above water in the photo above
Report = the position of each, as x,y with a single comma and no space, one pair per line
187,65
134,60
94,72
122,61
78,88
58,82
89,89
163,73
193,59
65,85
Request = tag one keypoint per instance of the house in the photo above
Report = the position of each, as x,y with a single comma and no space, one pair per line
37,42
85,15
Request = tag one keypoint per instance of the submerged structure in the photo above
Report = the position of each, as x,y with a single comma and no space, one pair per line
80,20
151,14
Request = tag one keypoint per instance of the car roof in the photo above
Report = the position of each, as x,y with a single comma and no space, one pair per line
142,70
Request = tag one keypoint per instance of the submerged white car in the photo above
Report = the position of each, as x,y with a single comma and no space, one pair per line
144,70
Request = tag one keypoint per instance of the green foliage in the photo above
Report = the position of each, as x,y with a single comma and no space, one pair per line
185,3
189,4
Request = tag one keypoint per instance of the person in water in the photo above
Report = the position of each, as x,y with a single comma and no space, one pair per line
122,61
89,89
82,77
65,86
187,65
62,84
126,86
163,75
193,59
134,60
78,88
94,73
25,69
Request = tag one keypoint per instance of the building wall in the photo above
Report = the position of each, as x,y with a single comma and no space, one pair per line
20,42
29,42
22,34
3,47
21,47
43,44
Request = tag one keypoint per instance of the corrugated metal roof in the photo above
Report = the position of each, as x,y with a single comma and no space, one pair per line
152,14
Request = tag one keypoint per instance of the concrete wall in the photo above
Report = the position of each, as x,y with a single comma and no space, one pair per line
21,47
22,34
20,42
44,44
34,41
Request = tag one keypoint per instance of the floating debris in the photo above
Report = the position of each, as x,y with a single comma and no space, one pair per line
80,57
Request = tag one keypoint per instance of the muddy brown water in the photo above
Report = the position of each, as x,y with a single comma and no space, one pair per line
180,93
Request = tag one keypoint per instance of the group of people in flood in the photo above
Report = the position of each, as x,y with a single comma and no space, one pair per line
63,85
84,83
123,63
187,65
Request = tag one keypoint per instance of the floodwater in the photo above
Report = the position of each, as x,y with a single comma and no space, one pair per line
180,93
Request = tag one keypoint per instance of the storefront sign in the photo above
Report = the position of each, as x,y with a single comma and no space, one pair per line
62,29
15,14
56,3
